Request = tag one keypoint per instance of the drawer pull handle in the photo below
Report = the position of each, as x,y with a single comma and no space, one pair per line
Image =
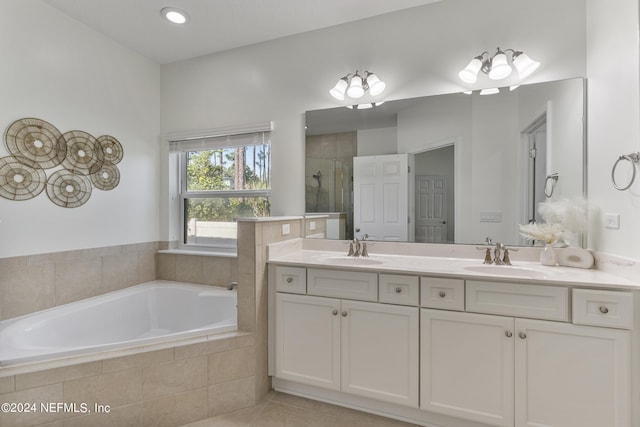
522,335
508,334
289,279
442,294
344,314
334,312
398,290
604,310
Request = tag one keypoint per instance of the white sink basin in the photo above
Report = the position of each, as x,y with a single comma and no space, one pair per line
506,270
347,260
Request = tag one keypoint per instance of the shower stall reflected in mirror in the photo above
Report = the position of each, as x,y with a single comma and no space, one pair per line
329,180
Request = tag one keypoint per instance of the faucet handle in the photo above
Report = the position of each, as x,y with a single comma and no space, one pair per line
505,256
487,254
351,252
363,250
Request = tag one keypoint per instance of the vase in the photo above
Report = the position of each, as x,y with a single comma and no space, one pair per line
548,255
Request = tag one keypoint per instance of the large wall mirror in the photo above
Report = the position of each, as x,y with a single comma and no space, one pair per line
453,168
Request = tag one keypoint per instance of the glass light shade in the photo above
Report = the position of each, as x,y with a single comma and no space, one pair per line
365,106
339,89
376,86
525,65
355,88
470,72
500,68
490,91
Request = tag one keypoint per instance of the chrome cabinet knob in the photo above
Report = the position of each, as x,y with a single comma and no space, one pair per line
289,279
442,294
604,310
522,335
344,314
334,312
398,290
508,334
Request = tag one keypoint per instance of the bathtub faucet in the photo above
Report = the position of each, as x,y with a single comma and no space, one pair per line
232,285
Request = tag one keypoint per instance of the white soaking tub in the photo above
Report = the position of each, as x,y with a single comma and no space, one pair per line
144,314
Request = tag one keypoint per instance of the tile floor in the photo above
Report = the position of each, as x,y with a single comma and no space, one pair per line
285,410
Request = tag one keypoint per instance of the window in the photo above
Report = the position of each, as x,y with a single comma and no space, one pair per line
221,179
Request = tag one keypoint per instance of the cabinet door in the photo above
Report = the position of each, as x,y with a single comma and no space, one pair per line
466,366
380,351
571,376
308,340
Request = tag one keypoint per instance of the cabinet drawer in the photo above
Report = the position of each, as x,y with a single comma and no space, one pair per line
603,308
343,284
398,289
291,279
442,293
510,299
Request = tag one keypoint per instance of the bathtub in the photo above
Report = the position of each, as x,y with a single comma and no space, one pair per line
140,315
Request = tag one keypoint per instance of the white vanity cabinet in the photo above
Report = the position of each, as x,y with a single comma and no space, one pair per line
506,371
362,348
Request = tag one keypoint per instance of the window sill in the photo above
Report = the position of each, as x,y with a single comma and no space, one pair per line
208,252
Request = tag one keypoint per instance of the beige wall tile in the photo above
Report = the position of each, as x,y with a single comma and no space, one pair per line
205,348
189,268
7,384
166,267
231,396
231,365
175,410
137,360
120,416
174,377
76,280
119,271
58,375
246,303
50,393
217,270
26,289
116,389
146,266
246,340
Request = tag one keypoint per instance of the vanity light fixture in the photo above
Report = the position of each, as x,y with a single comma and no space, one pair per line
174,15
497,66
354,85
364,106
490,91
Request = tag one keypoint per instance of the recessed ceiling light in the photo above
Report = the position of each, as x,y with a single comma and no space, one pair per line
174,15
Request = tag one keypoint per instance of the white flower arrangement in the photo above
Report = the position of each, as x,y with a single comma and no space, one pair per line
547,232
564,219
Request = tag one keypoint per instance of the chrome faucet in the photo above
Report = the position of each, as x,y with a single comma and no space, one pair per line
232,285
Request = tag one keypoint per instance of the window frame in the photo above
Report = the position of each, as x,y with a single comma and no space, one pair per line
220,244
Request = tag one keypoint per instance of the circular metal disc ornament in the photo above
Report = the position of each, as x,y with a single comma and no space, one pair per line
107,178
84,153
67,189
35,140
111,148
20,179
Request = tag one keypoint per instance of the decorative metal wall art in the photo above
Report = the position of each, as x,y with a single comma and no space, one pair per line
78,162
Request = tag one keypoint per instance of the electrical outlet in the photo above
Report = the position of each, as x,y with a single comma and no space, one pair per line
286,229
612,221
312,225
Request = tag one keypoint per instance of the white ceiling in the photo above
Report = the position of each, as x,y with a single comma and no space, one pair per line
216,25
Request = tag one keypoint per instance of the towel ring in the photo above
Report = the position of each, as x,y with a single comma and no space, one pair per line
633,158
554,178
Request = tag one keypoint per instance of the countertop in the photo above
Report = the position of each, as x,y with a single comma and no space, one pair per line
450,267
